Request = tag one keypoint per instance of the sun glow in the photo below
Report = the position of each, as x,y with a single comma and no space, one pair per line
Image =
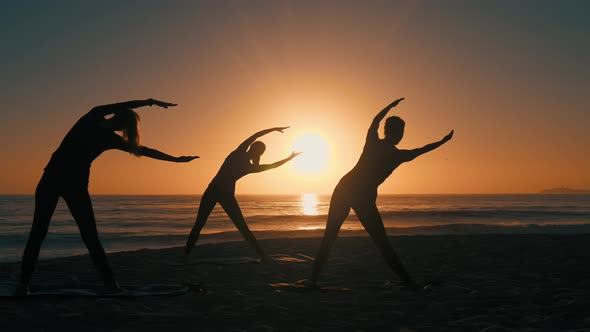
314,158
309,202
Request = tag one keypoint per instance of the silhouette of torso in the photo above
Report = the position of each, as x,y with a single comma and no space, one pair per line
83,143
377,161
235,166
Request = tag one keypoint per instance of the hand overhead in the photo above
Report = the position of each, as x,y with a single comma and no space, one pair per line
160,103
392,105
449,136
396,102
280,129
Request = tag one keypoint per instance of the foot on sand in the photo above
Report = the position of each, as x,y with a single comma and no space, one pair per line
113,288
22,290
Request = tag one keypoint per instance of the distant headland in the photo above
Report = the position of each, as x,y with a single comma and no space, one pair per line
565,190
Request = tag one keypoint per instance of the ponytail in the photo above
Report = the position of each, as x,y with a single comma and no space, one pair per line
131,134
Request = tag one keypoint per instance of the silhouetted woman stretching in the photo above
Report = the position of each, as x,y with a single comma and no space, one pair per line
222,188
67,173
358,189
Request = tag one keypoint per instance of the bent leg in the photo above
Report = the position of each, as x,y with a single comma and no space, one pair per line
207,204
339,210
45,203
80,206
369,216
231,207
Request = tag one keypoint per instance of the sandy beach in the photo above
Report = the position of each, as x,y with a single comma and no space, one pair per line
489,283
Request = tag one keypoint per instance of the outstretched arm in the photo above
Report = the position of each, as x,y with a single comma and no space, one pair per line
155,154
245,144
114,108
372,133
412,154
262,168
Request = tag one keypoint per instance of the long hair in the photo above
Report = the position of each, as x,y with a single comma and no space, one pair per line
131,133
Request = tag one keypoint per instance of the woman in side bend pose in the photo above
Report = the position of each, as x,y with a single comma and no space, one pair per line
67,174
358,190
242,161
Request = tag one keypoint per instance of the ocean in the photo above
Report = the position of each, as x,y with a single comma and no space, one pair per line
136,222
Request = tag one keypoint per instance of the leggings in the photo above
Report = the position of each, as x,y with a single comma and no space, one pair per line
78,201
365,208
228,202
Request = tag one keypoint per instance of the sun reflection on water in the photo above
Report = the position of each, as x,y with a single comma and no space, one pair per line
309,203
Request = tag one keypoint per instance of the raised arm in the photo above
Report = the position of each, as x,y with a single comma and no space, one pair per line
114,108
245,144
372,132
155,154
412,154
262,168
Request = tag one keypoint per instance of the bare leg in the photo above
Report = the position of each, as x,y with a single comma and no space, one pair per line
371,219
45,203
231,207
339,210
207,204
80,206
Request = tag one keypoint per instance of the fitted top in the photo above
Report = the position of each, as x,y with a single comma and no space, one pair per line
235,166
82,144
376,163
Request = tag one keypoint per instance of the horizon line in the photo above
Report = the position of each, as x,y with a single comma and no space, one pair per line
323,194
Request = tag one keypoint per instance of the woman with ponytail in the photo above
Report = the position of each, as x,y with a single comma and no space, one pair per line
66,175
245,159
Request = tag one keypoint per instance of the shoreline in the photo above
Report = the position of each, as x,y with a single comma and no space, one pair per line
113,244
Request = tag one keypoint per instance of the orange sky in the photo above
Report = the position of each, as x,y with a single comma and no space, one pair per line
513,87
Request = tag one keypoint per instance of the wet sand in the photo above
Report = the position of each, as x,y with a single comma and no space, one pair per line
516,282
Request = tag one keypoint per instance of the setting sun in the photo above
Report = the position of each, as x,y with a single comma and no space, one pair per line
315,153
